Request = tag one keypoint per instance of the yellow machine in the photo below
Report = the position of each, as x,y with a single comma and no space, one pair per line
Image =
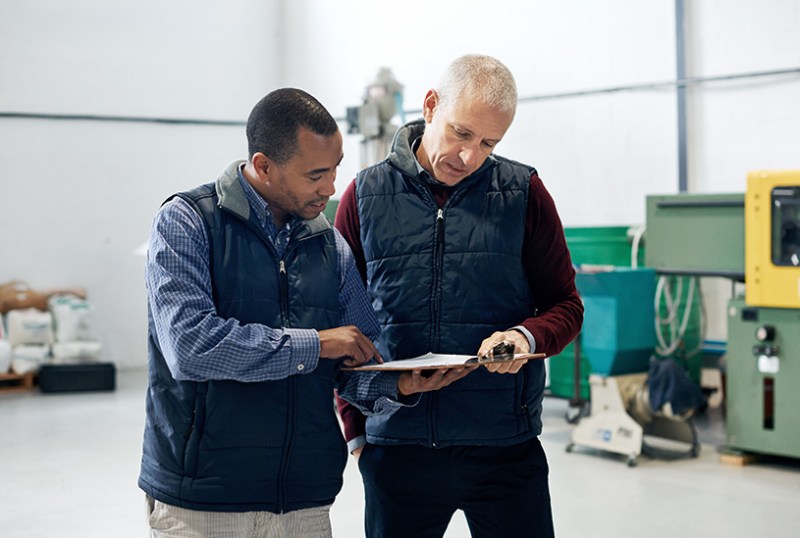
772,239
763,357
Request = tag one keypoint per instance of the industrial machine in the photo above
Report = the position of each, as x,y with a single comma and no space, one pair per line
383,100
619,338
752,238
763,357
755,239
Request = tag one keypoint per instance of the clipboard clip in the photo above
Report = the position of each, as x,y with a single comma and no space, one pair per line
503,351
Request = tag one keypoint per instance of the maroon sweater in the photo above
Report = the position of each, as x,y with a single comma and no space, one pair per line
546,260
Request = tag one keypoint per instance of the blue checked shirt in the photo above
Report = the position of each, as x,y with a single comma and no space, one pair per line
198,345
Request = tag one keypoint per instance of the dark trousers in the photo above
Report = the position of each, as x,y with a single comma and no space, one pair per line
413,491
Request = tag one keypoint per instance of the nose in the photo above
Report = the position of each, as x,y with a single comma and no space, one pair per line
327,186
469,156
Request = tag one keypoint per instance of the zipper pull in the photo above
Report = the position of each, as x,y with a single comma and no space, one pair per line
282,268
440,226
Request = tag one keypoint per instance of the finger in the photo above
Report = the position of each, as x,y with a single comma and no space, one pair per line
521,344
485,349
510,367
350,362
516,366
504,367
356,356
361,349
368,349
433,379
453,375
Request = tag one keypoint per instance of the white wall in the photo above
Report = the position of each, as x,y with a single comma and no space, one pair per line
77,197
743,125
619,145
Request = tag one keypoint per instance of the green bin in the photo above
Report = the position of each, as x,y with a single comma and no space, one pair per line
618,334
601,245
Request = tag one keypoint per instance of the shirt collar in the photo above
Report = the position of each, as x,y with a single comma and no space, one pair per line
421,172
260,206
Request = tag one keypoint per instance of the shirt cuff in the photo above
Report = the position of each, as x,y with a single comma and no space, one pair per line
528,335
304,355
387,386
356,442
389,400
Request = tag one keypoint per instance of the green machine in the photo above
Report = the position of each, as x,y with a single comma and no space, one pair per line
763,379
743,238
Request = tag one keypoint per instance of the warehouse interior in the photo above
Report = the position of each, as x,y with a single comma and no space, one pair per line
666,132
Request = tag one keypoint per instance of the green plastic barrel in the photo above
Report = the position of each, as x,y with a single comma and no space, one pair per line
601,245
561,371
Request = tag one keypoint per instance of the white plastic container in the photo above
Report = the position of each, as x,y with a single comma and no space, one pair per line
73,318
27,358
29,326
76,352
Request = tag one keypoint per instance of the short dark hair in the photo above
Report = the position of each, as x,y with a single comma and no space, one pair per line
273,123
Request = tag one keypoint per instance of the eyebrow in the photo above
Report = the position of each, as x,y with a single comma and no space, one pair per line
323,170
462,128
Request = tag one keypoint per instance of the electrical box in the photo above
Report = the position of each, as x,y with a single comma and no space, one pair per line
772,239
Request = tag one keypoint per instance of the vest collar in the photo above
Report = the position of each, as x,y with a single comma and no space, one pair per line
402,155
233,198
230,193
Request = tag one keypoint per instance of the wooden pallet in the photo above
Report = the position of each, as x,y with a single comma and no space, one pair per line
16,382
738,458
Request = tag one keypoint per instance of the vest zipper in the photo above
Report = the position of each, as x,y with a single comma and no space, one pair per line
438,260
284,285
289,434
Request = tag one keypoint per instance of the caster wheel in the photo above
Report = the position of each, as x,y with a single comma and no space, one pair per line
631,461
573,415
569,447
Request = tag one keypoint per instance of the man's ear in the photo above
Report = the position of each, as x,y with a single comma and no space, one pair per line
429,105
262,166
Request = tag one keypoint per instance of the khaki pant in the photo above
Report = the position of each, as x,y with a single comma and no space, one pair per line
167,521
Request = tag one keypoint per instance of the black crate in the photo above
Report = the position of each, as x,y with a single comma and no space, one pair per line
77,377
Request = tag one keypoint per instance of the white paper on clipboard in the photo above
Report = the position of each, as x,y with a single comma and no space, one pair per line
432,361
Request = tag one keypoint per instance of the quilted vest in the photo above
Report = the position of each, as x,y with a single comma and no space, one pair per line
231,446
442,281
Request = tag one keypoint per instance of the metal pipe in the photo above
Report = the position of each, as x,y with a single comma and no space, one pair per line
691,81
680,67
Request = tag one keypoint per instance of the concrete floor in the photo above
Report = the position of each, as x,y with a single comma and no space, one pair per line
70,463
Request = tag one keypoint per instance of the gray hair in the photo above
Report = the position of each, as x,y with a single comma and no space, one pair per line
479,76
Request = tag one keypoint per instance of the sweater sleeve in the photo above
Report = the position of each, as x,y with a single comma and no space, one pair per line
550,273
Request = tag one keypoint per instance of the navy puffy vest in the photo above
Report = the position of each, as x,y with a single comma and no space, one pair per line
450,279
231,446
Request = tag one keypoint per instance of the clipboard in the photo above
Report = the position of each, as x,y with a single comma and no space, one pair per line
433,361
